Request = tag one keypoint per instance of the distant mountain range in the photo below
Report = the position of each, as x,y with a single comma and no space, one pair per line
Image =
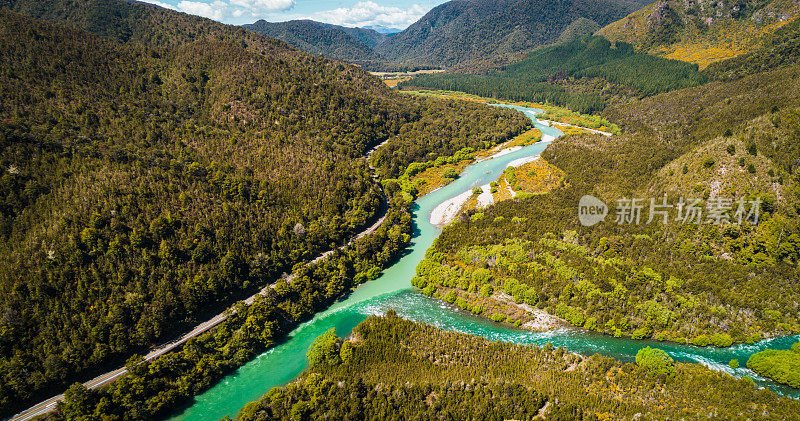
460,31
354,45
383,29
455,33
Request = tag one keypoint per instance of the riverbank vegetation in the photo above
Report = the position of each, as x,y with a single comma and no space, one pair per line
391,366
535,177
162,166
551,112
562,115
421,179
699,284
781,366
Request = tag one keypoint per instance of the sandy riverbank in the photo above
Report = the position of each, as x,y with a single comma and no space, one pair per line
448,210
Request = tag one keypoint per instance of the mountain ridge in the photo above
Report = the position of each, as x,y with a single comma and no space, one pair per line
157,166
459,31
320,39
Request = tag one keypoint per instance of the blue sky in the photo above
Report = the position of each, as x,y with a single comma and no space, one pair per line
390,13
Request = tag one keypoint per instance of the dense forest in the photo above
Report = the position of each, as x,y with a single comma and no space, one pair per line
390,367
580,74
697,283
155,173
459,32
152,390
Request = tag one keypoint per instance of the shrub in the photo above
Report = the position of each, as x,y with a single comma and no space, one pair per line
450,173
497,317
701,340
324,350
722,340
656,361
781,366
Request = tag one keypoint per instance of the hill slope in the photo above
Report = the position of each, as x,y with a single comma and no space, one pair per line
354,45
158,173
581,74
780,49
702,32
460,31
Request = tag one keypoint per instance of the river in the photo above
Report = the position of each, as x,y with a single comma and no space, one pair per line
392,290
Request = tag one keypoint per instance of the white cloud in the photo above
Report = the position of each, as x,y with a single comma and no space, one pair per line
264,5
216,10
367,13
223,9
164,5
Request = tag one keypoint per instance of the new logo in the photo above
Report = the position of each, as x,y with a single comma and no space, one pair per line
591,211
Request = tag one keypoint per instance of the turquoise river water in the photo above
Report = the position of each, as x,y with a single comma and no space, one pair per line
392,290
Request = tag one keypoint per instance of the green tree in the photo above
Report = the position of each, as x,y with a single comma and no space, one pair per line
325,350
656,361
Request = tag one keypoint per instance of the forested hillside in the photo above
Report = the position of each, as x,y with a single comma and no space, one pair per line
582,74
391,366
353,45
777,50
462,31
702,31
156,173
685,282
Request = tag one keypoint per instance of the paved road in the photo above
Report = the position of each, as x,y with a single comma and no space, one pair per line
50,404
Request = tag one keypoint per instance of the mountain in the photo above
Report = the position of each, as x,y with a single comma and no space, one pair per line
384,29
702,32
582,74
460,31
368,36
156,167
354,45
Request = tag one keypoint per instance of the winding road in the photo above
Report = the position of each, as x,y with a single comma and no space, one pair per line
50,404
